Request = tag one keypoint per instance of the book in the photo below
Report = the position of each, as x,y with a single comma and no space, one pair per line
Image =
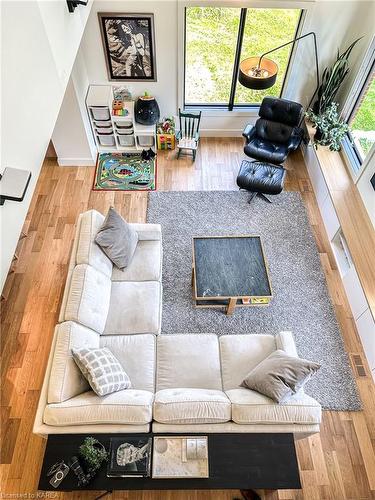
129,457
180,457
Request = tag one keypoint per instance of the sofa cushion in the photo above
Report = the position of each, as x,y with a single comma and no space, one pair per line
185,360
240,353
117,239
89,297
134,308
66,379
102,369
250,407
137,354
144,266
191,406
89,252
124,407
279,376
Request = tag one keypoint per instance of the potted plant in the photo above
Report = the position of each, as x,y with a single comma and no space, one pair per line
332,78
330,129
93,454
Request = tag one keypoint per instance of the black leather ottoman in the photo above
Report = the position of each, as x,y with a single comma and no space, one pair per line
260,178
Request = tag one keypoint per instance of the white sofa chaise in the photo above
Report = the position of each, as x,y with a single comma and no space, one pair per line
180,382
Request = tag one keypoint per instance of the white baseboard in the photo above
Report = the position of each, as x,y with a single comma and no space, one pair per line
213,132
76,162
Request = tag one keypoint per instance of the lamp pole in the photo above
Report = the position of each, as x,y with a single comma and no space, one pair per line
316,58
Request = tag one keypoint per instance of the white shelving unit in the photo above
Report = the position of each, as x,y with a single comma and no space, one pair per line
116,133
364,320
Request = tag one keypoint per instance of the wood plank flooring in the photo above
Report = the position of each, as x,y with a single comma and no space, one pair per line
336,464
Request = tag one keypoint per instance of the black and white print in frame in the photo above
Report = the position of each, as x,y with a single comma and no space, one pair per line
129,46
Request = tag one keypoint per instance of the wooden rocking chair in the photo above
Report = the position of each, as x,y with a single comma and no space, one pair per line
188,135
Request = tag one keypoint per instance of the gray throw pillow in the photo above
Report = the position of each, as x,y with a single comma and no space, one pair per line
102,370
279,376
117,239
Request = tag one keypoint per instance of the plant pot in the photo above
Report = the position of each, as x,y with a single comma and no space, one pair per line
318,135
146,110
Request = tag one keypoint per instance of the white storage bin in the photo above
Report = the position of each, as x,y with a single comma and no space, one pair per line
126,140
103,130
100,113
146,141
125,131
103,123
124,125
106,139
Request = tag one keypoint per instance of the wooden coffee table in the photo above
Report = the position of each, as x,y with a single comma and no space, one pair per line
230,272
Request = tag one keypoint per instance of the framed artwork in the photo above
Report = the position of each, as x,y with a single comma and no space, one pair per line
129,46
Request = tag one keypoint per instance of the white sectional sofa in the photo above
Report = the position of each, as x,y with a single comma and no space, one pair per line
180,383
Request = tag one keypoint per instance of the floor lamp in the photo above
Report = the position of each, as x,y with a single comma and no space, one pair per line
259,73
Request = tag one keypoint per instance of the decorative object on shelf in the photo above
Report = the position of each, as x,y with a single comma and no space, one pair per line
130,457
146,110
332,79
180,457
188,135
124,172
129,46
166,133
72,4
260,73
93,453
122,93
330,129
13,185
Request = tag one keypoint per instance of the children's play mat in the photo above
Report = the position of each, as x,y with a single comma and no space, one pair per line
124,172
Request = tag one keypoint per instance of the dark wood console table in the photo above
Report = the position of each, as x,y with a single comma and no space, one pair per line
236,461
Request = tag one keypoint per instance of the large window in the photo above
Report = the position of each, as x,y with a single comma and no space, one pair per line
212,40
362,119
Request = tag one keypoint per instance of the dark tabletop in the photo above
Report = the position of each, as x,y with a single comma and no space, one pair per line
236,461
230,267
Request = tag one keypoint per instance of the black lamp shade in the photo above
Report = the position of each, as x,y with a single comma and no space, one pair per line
252,77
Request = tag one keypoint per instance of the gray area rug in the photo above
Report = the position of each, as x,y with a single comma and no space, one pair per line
301,302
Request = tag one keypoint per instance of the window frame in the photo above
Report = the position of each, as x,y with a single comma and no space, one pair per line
353,158
231,106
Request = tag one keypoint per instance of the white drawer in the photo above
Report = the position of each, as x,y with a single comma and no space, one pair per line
329,216
316,176
366,329
354,292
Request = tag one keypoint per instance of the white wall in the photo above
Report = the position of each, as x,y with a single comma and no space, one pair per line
39,42
165,19
70,138
336,24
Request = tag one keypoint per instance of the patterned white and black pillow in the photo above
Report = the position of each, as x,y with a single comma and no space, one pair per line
102,370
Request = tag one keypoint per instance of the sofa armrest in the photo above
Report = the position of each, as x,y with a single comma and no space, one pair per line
285,341
38,427
148,231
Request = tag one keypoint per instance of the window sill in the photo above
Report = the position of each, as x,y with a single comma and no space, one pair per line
212,111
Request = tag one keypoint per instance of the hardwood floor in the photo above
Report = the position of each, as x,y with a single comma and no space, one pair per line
336,464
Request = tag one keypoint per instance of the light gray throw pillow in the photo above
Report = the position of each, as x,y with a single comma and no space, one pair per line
117,239
102,370
279,376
